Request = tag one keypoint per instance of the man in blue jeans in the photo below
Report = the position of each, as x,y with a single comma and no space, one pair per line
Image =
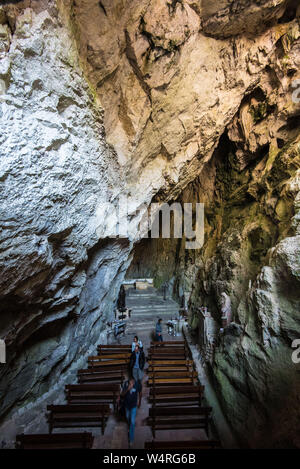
137,363
131,392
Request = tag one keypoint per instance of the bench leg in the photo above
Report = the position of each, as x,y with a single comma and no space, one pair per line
50,424
206,428
153,418
103,423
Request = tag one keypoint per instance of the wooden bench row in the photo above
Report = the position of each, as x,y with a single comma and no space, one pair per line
83,440
105,350
167,373
172,381
88,402
192,444
74,416
175,393
92,393
167,418
170,364
164,350
124,356
113,346
101,376
188,395
109,366
169,343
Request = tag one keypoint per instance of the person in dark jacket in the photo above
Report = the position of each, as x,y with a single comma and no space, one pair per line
158,331
131,394
137,363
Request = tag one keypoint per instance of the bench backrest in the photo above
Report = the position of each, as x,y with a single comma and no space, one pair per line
172,373
170,411
187,389
114,346
171,343
167,351
105,372
112,356
113,388
167,356
166,362
107,363
170,381
75,408
112,352
44,440
203,444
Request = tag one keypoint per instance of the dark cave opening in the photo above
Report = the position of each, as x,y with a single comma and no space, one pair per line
290,12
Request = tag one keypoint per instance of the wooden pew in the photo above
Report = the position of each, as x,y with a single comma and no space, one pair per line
167,351
168,418
83,440
168,343
168,356
112,349
172,374
100,376
110,356
171,381
168,364
114,346
194,444
94,362
156,368
92,393
113,352
105,366
74,416
186,395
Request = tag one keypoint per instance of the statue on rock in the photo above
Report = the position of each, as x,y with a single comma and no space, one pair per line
121,303
226,309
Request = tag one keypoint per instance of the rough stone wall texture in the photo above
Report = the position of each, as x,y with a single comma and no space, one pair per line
252,253
59,281
153,100
250,188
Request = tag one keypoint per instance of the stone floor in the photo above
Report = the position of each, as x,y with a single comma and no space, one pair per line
147,306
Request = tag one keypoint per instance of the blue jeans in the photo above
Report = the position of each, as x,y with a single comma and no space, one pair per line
137,373
130,415
159,338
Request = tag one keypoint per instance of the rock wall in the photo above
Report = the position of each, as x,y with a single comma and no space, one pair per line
59,275
251,252
149,100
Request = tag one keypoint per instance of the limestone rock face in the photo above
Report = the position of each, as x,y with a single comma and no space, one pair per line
168,91
55,170
149,100
226,18
250,189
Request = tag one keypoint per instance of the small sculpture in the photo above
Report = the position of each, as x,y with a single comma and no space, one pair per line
226,309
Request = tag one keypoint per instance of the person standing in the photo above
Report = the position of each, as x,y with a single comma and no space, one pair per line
131,393
135,342
137,363
158,331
